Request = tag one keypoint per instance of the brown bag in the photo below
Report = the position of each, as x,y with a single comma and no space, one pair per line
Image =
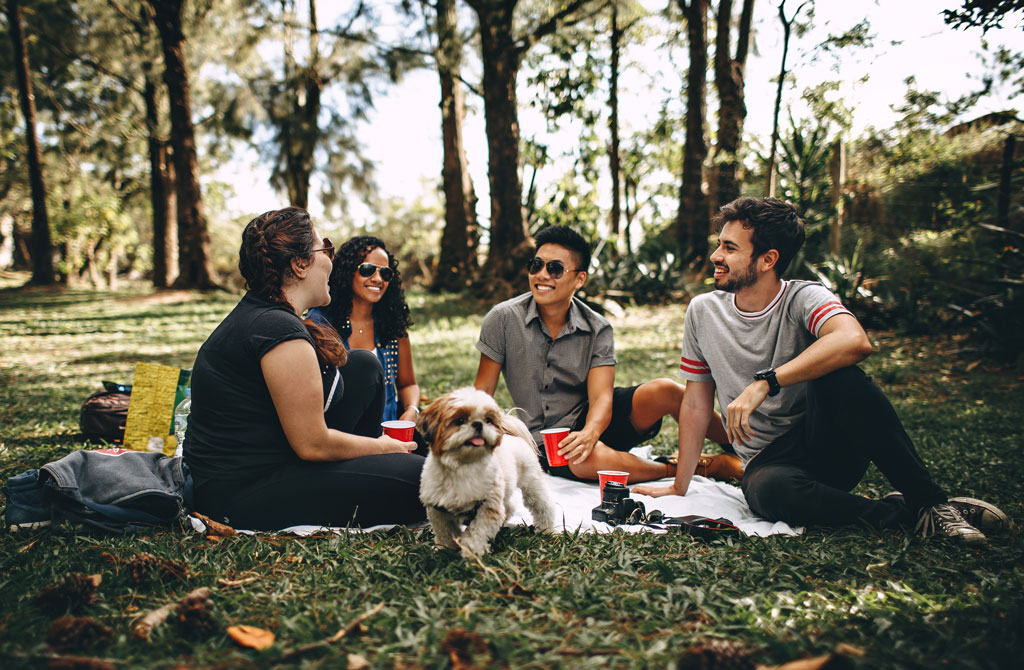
104,415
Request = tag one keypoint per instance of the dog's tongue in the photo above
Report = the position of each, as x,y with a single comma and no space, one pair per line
477,441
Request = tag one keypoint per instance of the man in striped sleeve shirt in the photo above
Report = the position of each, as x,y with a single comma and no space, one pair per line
806,421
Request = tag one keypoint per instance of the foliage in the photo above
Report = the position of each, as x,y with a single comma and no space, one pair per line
570,601
985,14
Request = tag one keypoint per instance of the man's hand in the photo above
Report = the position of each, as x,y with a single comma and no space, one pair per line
657,491
577,447
737,414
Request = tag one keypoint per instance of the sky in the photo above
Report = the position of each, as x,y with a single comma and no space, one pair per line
403,133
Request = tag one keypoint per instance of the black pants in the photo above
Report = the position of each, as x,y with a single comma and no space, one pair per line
364,491
805,476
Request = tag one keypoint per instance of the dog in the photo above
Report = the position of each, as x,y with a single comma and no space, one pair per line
478,456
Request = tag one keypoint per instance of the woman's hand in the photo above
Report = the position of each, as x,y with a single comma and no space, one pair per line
409,414
389,445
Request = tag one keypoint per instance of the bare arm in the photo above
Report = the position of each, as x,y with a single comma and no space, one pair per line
487,375
841,342
577,447
695,412
408,389
293,378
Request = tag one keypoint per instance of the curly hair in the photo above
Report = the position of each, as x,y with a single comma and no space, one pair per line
269,244
391,315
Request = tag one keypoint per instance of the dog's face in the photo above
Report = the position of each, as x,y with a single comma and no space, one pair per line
463,426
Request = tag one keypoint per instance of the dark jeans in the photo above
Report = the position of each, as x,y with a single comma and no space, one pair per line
364,491
804,477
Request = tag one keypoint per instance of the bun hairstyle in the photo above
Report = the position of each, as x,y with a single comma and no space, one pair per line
269,244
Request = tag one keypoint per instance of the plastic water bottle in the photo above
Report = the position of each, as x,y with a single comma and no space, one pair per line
181,413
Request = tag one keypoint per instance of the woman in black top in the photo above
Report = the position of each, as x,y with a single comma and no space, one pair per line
284,431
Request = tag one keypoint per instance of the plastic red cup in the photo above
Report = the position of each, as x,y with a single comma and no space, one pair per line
552,436
605,476
398,429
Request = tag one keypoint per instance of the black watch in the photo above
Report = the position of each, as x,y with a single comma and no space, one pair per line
769,376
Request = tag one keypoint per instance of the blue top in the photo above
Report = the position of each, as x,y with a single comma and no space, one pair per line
387,354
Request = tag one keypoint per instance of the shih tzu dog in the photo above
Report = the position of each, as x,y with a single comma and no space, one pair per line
478,456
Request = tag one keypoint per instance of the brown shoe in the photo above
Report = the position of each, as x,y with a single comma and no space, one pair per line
726,467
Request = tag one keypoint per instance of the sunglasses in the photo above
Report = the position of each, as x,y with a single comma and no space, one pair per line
328,248
367,270
555,268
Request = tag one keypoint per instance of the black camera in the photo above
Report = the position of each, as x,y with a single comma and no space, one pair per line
617,507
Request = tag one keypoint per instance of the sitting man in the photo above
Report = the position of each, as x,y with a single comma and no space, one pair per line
804,418
558,358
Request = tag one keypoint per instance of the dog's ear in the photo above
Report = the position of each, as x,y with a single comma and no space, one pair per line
512,425
428,420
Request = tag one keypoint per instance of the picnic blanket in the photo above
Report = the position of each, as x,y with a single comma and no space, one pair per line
574,501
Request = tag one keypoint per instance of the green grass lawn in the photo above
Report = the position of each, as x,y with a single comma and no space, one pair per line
602,601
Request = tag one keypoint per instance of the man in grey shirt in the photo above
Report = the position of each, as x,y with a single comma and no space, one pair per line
558,359
805,419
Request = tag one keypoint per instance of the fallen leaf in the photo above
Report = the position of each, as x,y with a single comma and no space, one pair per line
357,662
251,636
972,365
79,663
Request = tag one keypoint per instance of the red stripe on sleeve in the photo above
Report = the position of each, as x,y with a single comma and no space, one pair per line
694,367
821,314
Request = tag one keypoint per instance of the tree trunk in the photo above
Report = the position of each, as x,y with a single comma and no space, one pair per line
732,109
161,195
42,248
787,29
507,251
1005,183
837,170
614,162
692,218
194,267
300,130
457,261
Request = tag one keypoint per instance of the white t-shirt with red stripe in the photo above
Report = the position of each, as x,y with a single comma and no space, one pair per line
725,345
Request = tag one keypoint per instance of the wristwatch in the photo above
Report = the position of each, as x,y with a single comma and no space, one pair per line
769,376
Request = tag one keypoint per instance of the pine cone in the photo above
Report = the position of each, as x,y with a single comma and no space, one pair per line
73,591
70,633
141,566
716,655
195,616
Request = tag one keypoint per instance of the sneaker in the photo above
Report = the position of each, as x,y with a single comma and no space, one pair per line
945,519
984,516
26,507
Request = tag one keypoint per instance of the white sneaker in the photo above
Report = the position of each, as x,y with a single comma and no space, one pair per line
945,519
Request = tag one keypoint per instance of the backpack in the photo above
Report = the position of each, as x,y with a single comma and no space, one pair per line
105,413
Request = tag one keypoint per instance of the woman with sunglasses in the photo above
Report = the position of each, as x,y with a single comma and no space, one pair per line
285,423
369,311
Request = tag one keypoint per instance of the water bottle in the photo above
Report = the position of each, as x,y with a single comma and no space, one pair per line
181,413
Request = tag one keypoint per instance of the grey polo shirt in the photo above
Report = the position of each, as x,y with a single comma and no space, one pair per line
547,378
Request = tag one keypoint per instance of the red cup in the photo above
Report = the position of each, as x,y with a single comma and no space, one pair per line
604,476
552,436
400,430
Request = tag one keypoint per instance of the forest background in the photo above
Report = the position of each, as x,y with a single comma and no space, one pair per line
152,125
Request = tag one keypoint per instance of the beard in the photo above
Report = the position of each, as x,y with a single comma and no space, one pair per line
737,280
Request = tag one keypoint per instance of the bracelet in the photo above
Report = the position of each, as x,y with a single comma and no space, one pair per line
415,407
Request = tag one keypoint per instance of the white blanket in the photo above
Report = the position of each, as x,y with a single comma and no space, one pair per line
574,502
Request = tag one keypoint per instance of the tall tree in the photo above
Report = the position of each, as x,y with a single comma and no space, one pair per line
457,262
502,51
787,30
42,248
194,267
692,220
732,108
614,153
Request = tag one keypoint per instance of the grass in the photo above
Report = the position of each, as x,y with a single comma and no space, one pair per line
608,601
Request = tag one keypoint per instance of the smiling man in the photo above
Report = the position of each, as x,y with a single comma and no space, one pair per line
805,419
558,359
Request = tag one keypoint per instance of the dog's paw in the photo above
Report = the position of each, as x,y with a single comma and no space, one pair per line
472,548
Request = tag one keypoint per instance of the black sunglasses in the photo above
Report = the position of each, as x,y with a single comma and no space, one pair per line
367,270
555,268
328,249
